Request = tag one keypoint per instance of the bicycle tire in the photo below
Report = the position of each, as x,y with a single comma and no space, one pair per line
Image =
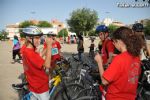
143,95
91,92
72,89
87,98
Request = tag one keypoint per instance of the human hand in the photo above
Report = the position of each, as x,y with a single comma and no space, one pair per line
48,41
98,58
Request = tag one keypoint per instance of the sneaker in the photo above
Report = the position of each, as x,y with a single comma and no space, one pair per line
13,61
20,61
17,86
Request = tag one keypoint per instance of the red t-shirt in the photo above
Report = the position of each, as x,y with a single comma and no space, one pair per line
33,69
122,75
107,45
54,51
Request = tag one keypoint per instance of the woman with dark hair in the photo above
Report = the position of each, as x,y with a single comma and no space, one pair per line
16,49
122,75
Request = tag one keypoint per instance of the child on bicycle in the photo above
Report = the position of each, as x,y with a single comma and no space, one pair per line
34,65
122,75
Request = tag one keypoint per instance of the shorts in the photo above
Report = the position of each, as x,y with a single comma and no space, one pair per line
41,96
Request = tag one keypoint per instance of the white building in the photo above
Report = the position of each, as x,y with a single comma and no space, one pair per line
71,33
47,30
107,21
12,30
15,31
117,23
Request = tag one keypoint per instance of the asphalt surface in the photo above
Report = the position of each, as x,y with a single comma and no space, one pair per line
9,72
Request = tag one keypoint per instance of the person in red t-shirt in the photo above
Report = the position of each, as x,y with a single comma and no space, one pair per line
122,75
107,45
34,65
55,50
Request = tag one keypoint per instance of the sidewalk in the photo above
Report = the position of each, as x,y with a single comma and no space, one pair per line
8,72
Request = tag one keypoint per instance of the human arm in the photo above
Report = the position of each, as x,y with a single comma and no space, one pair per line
81,44
98,59
110,51
43,53
59,49
48,53
148,49
110,58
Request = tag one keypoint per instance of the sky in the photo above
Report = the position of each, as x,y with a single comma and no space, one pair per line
14,11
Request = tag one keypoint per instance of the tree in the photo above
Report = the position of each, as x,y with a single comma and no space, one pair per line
92,33
25,24
3,35
63,33
44,24
112,28
21,34
82,20
147,28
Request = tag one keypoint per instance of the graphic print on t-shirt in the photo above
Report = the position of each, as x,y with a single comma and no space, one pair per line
54,51
133,74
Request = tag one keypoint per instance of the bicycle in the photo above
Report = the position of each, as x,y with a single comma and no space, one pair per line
143,91
91,89
55,83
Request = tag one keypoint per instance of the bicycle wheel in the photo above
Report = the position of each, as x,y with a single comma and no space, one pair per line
68,92
87,98
73,72
90,93
143,95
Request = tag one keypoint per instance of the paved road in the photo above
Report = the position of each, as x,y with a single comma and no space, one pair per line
9,72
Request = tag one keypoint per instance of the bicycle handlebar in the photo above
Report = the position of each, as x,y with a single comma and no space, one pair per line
19,86
73,56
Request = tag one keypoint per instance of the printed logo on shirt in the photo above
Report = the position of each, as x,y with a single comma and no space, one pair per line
133,74
54,51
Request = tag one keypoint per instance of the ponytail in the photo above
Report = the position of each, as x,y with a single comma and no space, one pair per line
132,41
134,45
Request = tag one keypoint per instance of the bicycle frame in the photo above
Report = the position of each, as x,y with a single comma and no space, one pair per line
54,81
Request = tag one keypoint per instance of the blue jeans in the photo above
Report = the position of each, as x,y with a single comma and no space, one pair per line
80,55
